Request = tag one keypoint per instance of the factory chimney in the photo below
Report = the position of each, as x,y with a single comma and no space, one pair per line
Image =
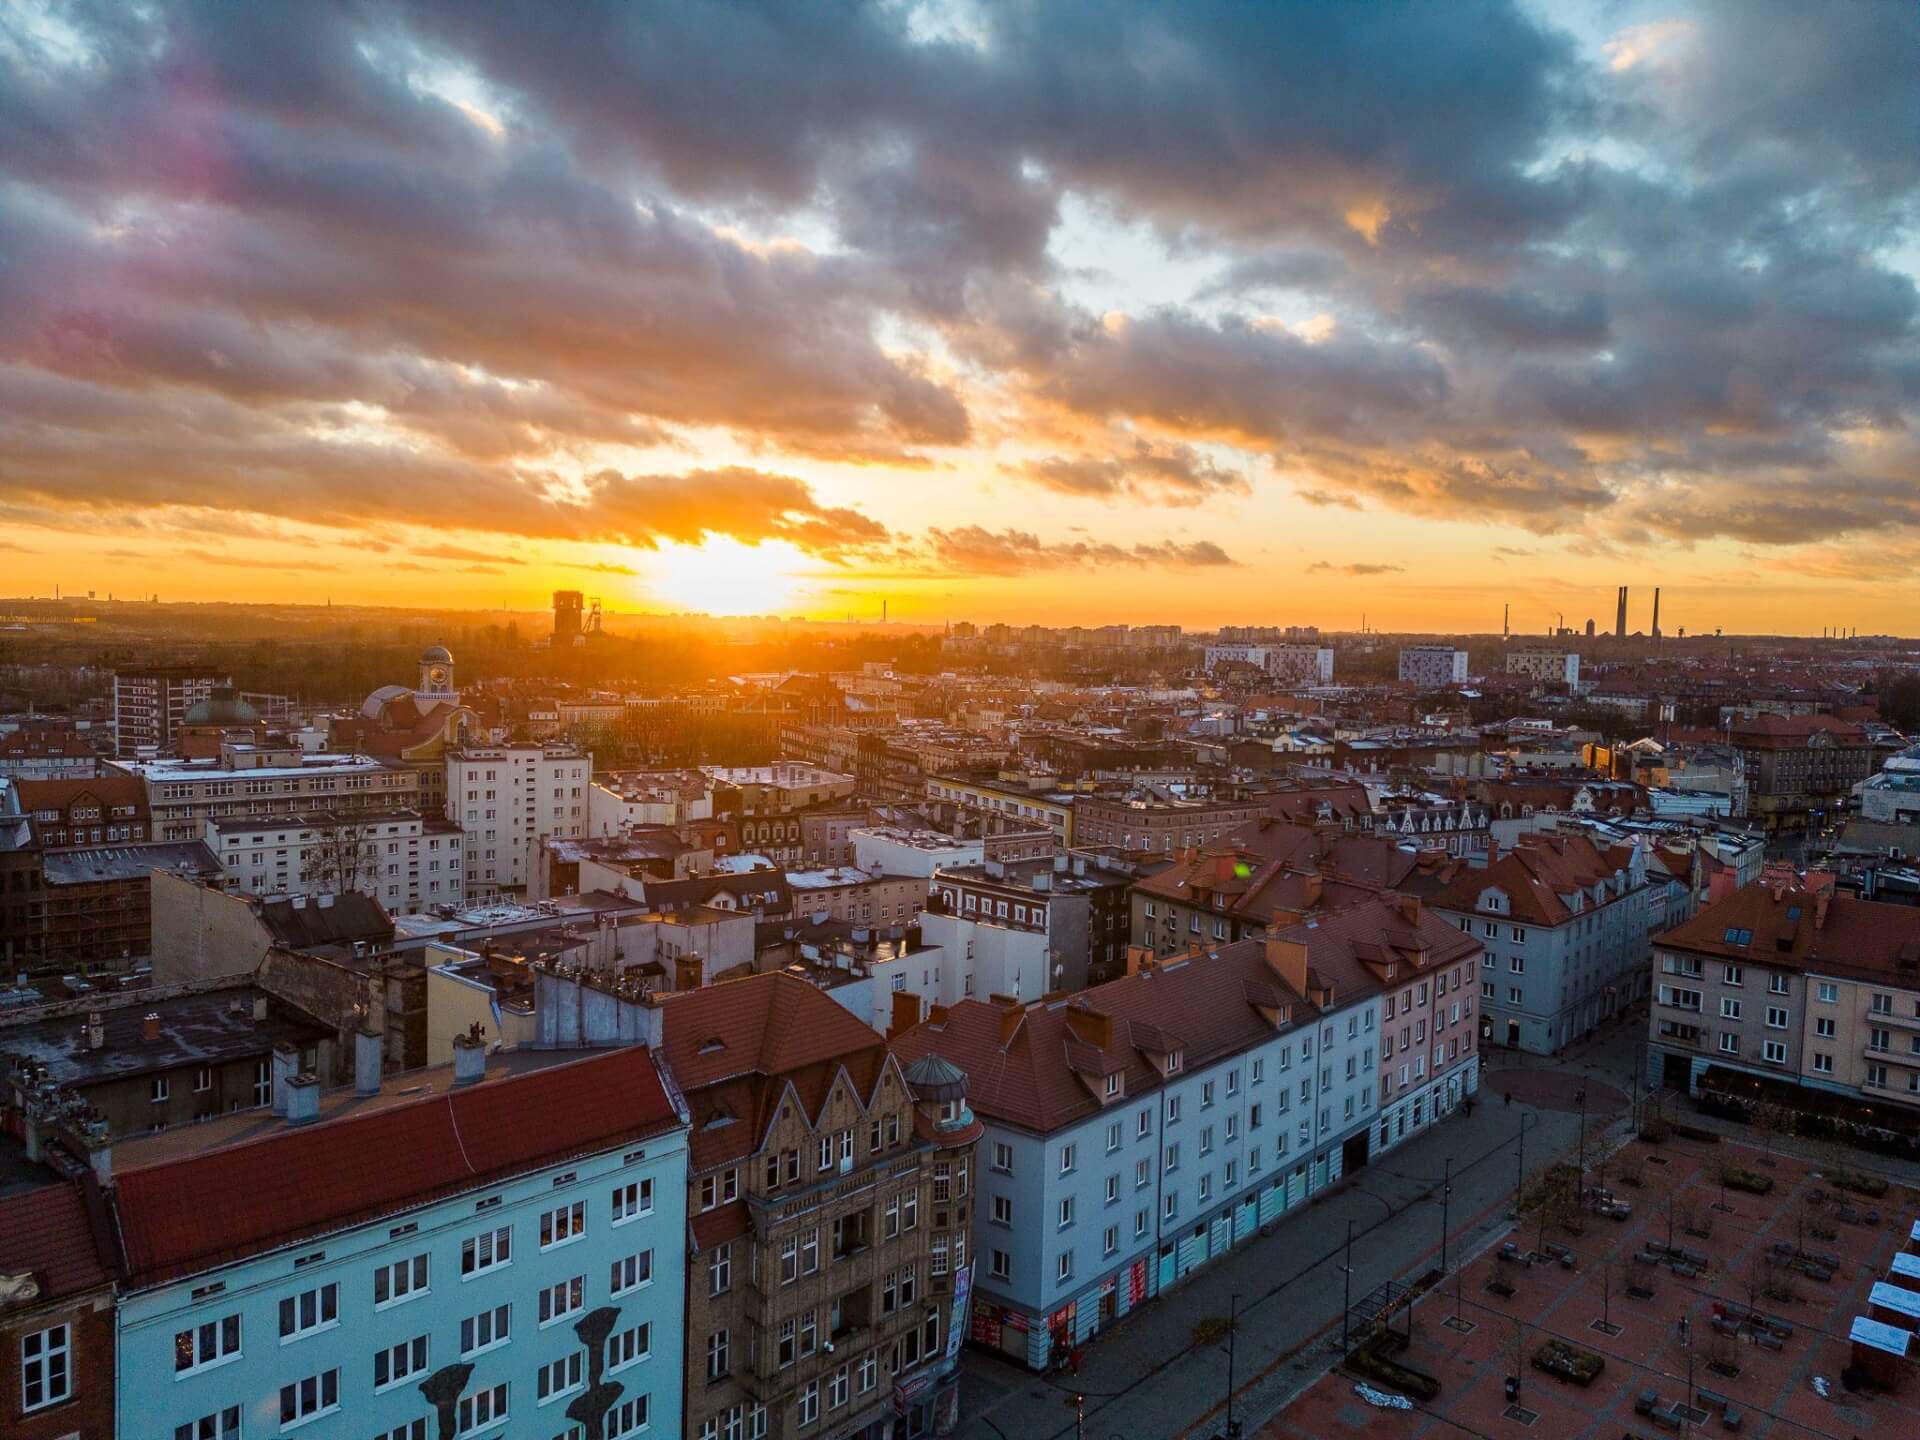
1620,616
1656,612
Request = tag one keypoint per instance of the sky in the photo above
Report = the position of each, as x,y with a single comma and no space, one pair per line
1061,311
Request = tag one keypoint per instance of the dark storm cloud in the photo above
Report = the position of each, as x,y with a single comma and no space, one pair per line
365,264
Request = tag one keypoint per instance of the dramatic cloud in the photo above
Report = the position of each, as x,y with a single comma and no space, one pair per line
973,550
1358,567
615,273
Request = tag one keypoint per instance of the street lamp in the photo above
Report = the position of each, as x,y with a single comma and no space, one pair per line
1346,1302
1232,1431
1446,1197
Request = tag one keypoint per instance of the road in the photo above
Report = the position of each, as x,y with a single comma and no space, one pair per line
1147,1378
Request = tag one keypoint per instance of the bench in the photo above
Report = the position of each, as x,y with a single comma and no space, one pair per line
1712,1399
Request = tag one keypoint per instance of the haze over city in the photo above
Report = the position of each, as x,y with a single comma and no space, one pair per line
1078,312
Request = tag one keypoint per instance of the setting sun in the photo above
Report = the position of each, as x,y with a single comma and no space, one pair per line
724,577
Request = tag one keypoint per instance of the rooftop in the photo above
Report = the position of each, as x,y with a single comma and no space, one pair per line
128,862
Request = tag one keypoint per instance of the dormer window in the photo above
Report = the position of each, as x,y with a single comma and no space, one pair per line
1113,1084
1173,1062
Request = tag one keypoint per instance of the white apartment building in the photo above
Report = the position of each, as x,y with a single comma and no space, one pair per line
1289,664
509,800
1549,667
149,704
406,861
1433,666
260,781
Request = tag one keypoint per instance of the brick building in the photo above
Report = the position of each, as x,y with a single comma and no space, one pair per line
56,1314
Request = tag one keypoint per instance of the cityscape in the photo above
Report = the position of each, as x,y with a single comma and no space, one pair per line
944,718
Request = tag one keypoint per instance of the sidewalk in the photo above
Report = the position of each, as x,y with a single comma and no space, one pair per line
1146,1378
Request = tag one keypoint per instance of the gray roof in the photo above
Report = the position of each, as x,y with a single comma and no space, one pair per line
128,862
207,1028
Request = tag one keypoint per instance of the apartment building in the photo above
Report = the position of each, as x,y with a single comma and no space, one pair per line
1144,1128
56,1311
36,754
1801,766
1565,930
1433,667
1548,667
1157,821
104,810
407,861
981,805
1078,905
830,1197
508,801
1423,968
858,897
501,1259
149,704
1780,994
264,780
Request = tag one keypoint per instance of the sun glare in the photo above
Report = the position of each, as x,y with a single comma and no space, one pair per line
723,577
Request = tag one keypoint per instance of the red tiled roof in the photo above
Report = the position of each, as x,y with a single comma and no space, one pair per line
1206,1006
735,1047
109,790
1534,875
180,1217
1797,928
46,1230
1340,946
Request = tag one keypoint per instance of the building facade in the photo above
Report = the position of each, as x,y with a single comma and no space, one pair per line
1565,930
1548,667
264,780
1144,1128
508,801
500,1260
1433,667
407,861
56,1316
150,702
1160,823
1801,768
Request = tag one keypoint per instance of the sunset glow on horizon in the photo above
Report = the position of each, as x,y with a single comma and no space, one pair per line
1066,314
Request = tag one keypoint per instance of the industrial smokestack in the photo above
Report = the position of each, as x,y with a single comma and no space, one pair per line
1656,612
1620,616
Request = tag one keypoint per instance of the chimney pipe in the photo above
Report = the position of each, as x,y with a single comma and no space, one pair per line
96,1030
367,1056
150,1026
303,1100
469,1058
286,1064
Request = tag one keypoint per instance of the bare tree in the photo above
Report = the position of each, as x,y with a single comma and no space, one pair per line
344,857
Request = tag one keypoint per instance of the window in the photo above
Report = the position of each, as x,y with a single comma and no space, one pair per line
1067,1154
485,1330
559,1301
1003,1157
1206,1094
559,1377
1776,1018
1729,1008
634,1199
1066,1212
1113,1188
1779,985
1113,1137
1173,1158
719,1354
1143,1125
810,1402
481,1410
1729,1043
401,1280
1827,993
304,1399
309,1311
1877,1076
1064,1270
1824,1028
837,1388
1140,1218
630,1272
397,1362
1515,997
1000,1265
205,1345
789,1330
721,1189
159,1089
1517,964
1880,1003
225,1425
1113,1084
557,1227
1774,1052
910,1209
1206,1139
1206,1188
1822,1064
46,1366
720,1270
1002,1210
1733,975
486,1251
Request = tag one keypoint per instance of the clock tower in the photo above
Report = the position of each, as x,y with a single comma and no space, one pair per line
436,673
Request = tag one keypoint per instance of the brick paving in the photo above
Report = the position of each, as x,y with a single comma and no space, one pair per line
1772,1390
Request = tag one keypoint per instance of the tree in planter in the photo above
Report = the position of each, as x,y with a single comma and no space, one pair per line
345,856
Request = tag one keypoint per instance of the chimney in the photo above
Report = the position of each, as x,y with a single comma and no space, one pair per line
1821,902
687,970
1193,949
1139,957
1090,1026
286,1064
100,1156
1012,1015
1409,908
367,1055
96,1030
905,1013
1285,919
303,1099
150,1026
469,1057
1315,886
1288,960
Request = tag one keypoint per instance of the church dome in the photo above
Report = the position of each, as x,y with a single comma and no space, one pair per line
222,707
436,655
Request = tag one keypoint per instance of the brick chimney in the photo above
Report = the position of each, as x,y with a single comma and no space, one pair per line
1012,1016
1821,903
150,1026
687,971
1409,908
1090,1026
1315,887
905,1013
1288,960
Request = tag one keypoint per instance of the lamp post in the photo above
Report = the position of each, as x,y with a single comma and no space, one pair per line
1446,1197
1233,1324
1346,1301
1581,1096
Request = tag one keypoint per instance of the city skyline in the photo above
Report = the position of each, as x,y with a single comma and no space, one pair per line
1060,315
